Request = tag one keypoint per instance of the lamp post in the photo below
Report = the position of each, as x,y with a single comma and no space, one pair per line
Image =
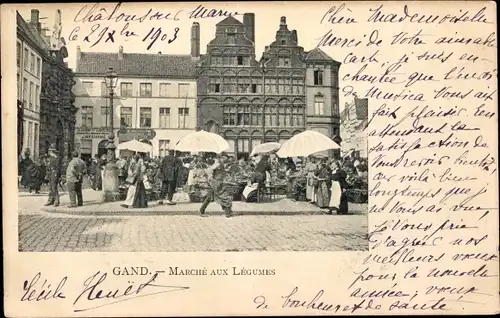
110,181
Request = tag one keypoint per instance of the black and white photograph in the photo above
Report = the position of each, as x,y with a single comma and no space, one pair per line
231,145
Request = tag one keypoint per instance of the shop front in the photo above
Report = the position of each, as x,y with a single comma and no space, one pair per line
91,142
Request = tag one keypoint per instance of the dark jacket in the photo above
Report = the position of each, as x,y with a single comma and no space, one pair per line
340,176
169,168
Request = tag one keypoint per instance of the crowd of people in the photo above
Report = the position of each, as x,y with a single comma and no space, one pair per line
322,181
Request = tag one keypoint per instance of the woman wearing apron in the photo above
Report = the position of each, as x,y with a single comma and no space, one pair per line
218,191
338,199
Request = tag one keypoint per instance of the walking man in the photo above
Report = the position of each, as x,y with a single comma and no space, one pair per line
169,170
53,175
74,178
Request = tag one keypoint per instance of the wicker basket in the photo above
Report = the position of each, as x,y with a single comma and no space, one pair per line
357,196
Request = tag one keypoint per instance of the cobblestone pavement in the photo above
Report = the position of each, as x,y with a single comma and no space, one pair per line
49,232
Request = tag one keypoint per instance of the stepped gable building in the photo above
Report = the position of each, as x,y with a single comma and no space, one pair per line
249,102
48,107
154,100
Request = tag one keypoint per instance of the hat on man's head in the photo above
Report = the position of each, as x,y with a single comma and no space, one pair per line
75,154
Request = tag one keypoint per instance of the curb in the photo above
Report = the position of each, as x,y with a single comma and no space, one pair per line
137,212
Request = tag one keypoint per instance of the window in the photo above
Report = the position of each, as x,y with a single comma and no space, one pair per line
230,39
164,146
126,89
35,140
145,117
283,61
256,116
281,116
281,86
30,135
270,115
31,94
26,59
37,97
229,85
165,117
104,110
243,115
126,117
87,115
164,89
297,116
318,77
244,145
38,66
217,60
298,87
145,90
183,117
229,115
243,85
283,42
25,92
240,60
18,52
87,87
254,88
183,90
32,64
319,105
104,89
18,86
104,116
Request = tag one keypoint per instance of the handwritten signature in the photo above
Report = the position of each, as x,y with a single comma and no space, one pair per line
95,293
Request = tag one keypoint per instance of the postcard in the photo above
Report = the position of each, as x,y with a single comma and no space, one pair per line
250,158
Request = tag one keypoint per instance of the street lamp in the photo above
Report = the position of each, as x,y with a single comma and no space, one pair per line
111,79
110,181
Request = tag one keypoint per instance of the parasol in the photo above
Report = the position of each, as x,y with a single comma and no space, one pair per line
265,148
306,143
135,145
202,141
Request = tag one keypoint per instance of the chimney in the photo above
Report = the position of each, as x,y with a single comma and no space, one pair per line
294,37
35,19
78,57
249,22
195,40
120,53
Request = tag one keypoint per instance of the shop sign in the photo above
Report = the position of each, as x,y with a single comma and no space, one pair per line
93,135
125,134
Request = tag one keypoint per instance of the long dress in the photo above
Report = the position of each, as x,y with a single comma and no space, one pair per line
310,169
140,198
323,188
338,199
24,166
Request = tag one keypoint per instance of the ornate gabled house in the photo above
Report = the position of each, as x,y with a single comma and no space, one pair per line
249,102
354,120
48,107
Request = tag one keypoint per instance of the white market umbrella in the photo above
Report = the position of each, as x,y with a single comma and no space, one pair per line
265,148
202,141
135,145
306,143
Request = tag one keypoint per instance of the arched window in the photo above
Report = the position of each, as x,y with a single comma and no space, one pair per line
319,105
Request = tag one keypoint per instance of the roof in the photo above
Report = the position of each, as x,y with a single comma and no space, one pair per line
137,64
318,55
31,34
230,21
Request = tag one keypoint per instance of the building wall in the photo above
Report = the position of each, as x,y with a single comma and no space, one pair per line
354,136
328,121
177,97
29,68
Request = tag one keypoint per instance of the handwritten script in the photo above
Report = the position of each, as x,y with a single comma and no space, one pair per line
97,290
429,73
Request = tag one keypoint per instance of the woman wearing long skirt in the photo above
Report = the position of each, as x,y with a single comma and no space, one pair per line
218,191
324,184
136,194
338,199
310,168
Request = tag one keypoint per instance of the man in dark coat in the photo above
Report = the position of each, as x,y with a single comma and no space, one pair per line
53,174
169,170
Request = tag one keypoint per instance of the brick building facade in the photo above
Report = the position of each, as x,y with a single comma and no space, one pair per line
249,102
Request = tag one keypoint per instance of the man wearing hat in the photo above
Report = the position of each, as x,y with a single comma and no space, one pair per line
74,177
169,170
53,175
